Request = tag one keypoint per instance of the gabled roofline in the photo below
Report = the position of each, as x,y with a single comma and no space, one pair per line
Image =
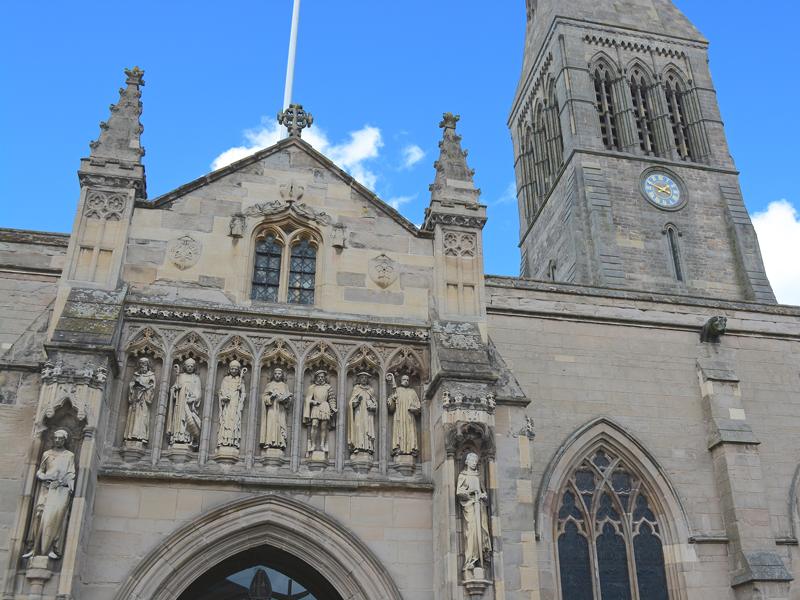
169,197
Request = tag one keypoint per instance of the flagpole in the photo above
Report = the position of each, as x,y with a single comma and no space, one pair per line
287,94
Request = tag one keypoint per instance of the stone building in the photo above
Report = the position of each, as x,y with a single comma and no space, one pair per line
269,378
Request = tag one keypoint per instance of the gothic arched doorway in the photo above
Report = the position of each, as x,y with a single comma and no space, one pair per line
261,573
271,530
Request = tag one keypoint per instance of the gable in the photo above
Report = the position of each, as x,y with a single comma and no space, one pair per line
250,178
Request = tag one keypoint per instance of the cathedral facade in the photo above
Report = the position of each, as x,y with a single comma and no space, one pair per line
267,383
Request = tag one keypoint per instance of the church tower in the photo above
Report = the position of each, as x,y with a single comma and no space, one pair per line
624,177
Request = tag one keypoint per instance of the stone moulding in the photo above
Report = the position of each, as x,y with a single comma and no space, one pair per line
610,430
133,311
264,519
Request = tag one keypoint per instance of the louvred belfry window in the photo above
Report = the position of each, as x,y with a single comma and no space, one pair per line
642,112
301,273
678,118
610,542
604,93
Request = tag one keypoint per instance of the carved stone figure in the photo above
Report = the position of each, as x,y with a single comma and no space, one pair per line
141,390
231,395
183,424
405,405
57,476
471,494
237,225
277,399
361,416
713,328
318,412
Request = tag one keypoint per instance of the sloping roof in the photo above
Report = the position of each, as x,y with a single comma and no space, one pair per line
292,142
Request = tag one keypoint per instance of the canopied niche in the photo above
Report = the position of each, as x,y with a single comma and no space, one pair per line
268,520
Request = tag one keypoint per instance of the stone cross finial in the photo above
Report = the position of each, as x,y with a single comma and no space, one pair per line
449,120
135,76
295,119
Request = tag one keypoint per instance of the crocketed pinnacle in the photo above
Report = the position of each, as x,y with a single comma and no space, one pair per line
119,137
453,177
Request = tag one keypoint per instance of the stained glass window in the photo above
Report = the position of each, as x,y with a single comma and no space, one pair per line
609,543
267,270
302,270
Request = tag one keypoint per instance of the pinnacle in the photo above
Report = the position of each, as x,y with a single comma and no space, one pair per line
453,180
119,136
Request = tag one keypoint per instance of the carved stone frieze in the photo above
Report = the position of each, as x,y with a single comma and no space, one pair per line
458,400
457,336
460,244
100,205
184,251
478,435
434,219
277,207
208,317
108,181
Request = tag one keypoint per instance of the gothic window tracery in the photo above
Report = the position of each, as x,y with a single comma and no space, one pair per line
604,93
676,106
284,265
610,541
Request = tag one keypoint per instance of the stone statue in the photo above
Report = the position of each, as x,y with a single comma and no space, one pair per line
471,494
237,225
318,412
361,416
186,395
276,399
405,405
57,476
141,390
231,404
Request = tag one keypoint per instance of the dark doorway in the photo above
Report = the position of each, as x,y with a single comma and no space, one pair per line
231,579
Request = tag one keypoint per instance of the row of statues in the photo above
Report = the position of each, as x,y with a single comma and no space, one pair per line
319,410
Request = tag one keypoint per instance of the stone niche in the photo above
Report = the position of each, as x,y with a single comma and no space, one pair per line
278,355
321,357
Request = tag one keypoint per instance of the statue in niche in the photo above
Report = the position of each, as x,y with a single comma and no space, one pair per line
57,476
472,496
405,405
361,416
318,412
231,404
277,399
186,395
141,390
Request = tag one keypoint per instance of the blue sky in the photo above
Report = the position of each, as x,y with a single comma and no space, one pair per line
383,70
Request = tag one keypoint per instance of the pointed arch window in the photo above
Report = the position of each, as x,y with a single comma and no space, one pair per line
676,105
610,541
284,265
643,112
674,250
604,93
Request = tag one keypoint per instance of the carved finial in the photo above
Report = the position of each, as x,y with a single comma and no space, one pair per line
135,76
295,119
449,120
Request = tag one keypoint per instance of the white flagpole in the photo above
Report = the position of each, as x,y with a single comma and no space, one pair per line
287,94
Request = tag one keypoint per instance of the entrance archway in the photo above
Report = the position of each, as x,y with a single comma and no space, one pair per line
272,521
286,576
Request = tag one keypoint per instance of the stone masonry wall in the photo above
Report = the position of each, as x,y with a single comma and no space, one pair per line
131,518
580,354
30,265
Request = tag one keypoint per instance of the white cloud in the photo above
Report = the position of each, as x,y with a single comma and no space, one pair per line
396,203
778,230
412,154
351,155
509,195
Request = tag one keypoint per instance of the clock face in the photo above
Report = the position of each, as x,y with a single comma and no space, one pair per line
662,191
